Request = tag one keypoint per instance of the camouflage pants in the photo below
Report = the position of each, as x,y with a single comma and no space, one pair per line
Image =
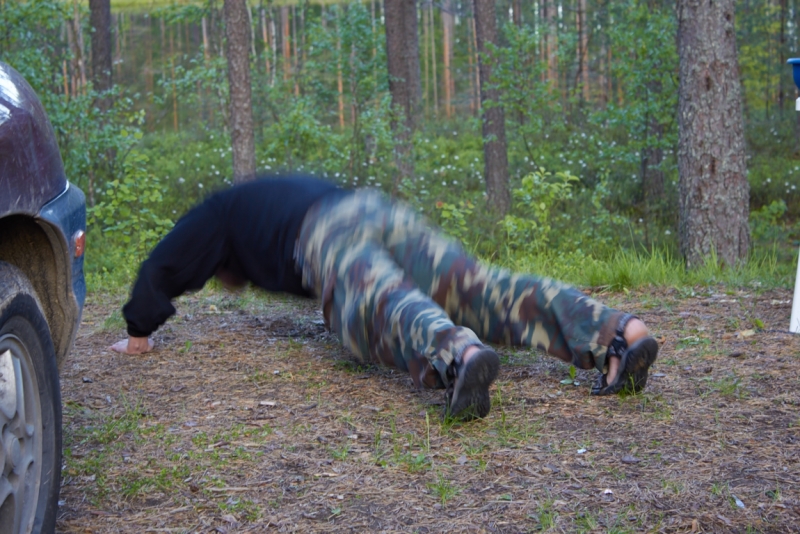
399,292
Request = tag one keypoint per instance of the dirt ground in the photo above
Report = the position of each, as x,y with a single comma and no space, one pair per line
249,418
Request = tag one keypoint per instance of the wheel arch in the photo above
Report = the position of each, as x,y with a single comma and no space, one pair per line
40,251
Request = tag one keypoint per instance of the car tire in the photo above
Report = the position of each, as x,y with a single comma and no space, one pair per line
30,411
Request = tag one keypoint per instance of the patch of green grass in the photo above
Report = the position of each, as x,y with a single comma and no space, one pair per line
114,322
638,269
692,341
655,407
545,515
672,486
727,386
241,508
586,522
719,489
350,366
134,484
442,488
340,453
99,436
414,463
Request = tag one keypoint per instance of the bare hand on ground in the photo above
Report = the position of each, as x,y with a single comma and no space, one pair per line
133,345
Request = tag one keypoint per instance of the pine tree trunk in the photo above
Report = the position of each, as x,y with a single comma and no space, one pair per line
339,75
286,45
172,73
447,55
782,54
100,20
714,192
237,50
584,51
471,62
552,45
295,50
432,20
273,36
402,55
425,49
476,61
494,128
265,38
79,48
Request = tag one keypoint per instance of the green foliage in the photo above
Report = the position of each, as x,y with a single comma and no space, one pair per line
765,223
533,110
454,217
575,165
536,198
128,214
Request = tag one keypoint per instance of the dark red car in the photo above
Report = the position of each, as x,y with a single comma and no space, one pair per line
42,289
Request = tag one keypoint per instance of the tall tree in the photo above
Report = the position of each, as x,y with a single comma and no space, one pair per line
448,27
100,21
402,56
714,192
493,118
237,33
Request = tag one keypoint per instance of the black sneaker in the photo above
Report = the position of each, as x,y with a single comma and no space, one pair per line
633,367
468,397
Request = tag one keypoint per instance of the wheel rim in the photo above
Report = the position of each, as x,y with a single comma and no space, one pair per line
20,437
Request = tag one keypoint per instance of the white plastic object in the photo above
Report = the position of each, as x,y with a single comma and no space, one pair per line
794,322
797,105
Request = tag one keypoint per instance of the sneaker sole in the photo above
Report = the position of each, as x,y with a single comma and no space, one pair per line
634,368
641,356
471,392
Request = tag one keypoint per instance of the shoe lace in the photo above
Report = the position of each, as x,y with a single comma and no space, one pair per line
616,348
452,374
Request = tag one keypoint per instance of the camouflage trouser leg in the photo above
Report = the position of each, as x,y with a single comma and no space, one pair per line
375,308
399,292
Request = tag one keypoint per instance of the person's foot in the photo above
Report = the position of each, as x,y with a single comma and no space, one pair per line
133,345
474,373
629,358
635,330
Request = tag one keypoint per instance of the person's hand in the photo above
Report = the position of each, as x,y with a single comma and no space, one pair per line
133,345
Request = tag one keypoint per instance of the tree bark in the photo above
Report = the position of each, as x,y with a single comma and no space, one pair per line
286,45
714,192
237,49
434,70
448,25
425,48
79,49
100,20
782,54
494,127
583,59
339,75
402,55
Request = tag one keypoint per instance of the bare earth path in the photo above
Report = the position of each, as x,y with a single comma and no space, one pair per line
249,418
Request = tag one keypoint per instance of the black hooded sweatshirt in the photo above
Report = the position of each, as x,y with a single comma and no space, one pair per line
249,230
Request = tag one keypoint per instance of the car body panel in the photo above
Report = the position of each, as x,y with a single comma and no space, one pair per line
40,211
67,212
31,169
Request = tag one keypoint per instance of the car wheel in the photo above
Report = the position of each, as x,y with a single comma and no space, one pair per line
30,411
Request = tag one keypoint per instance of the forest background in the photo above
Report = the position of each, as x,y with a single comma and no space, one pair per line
589,90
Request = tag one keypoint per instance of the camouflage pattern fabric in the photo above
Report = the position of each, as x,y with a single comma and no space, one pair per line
398,292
